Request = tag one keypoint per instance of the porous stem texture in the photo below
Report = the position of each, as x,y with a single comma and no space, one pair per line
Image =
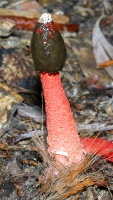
63,139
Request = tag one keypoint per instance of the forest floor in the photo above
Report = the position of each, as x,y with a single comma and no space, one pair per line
23,149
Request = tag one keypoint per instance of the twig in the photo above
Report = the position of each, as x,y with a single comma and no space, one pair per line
17,148
94,127
10,12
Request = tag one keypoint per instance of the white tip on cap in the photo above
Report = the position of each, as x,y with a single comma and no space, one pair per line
45,18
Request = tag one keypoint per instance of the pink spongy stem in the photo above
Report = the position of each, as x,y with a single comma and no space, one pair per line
98,146
63,139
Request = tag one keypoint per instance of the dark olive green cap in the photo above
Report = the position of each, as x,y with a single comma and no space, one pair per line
47,48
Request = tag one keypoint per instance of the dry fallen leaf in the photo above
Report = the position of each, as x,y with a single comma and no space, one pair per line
84,11
6,28
8,98
103,50
88,65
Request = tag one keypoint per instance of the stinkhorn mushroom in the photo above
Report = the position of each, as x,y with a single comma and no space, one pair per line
49,55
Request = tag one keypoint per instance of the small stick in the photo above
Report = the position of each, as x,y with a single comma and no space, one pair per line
94,127
10,12
17,148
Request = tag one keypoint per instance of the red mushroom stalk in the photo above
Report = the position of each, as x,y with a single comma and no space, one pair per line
49,54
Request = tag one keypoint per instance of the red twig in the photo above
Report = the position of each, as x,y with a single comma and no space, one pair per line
98,146
24,23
